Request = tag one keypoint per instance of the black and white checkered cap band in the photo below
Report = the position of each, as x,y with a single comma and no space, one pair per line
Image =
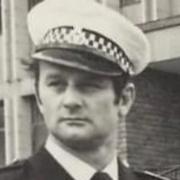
90,39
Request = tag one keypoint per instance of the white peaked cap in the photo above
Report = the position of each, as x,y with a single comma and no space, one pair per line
89,26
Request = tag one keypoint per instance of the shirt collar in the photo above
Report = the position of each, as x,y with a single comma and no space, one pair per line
77,168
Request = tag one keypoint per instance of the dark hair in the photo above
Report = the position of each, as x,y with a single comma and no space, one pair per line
32,67
119,83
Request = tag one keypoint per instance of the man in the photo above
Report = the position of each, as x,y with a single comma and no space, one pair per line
85,54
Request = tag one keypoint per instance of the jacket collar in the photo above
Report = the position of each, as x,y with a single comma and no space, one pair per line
42,166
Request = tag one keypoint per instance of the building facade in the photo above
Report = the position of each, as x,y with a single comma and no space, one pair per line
149,138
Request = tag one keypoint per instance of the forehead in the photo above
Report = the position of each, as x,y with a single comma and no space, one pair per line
52,70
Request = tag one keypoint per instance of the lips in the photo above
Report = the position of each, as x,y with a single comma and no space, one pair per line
74,119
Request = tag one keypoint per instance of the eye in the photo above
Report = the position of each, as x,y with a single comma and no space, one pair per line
54,83
88,87
57,84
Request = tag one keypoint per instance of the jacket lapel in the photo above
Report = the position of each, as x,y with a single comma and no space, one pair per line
125,173
42,166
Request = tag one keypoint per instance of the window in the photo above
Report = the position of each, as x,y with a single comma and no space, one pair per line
128,2
2,136
0,18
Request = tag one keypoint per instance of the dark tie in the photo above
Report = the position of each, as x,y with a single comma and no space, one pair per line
101,176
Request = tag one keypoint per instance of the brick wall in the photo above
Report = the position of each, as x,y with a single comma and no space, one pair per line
153,126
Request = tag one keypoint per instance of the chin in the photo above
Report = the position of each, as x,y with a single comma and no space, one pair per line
81,143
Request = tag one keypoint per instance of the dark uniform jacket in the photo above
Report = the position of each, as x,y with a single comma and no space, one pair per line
42,166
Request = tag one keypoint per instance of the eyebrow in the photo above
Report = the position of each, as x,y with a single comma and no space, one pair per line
92,78
53,76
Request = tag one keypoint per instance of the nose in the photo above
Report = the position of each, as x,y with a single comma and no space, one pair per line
72,99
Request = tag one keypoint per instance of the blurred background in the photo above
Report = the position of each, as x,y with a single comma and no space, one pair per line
149,138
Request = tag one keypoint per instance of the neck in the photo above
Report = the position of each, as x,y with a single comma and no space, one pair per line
98,158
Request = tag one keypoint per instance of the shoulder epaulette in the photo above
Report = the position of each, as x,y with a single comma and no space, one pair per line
151,175
17,165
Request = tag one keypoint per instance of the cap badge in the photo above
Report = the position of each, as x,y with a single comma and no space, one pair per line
77,36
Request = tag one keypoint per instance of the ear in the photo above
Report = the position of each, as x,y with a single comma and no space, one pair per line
38,100
127,98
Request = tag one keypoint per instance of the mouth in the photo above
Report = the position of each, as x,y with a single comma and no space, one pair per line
74,120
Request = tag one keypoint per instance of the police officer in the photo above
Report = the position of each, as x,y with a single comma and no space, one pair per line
85,54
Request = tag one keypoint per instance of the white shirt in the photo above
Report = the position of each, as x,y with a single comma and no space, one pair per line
77,168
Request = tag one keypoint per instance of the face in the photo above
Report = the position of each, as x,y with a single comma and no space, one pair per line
78,107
